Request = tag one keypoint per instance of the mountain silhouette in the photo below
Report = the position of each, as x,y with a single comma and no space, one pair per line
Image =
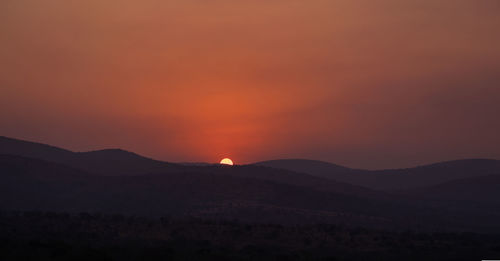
445,195
392,179
110,162
33,184
313,167
33,150
117,162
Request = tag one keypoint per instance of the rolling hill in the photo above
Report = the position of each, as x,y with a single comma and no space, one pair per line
393,179
33,184
454,195
116,162
110,162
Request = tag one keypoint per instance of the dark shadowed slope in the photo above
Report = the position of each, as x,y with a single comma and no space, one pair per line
477,190
33,150
395,179
318,169
110,162
115,162
31,184
434,174
313,167
309,173
27,183
290,177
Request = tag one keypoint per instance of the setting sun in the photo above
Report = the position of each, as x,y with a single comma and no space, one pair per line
226,161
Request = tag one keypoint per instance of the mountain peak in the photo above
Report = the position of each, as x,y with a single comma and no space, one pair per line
109,151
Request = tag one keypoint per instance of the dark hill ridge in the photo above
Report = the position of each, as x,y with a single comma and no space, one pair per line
109,154
222,193
303,165
393,179
33,184
116,162
316,168
110,162
117,181
433,174
33,150
288,177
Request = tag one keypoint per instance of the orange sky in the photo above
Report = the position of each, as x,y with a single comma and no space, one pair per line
368,83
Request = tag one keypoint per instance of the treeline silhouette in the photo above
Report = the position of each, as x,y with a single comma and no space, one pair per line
91,236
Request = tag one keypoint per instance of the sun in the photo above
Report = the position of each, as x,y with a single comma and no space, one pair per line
226,161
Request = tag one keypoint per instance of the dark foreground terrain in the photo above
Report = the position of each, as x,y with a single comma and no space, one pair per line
61,236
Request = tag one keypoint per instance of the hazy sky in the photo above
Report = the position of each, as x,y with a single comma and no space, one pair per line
366,83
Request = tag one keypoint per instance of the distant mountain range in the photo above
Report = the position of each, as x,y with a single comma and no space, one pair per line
33,184
393,179
35,176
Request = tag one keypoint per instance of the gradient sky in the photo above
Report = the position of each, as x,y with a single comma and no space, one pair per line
367,83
